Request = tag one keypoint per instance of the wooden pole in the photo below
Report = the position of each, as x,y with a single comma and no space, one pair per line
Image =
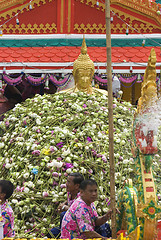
110,116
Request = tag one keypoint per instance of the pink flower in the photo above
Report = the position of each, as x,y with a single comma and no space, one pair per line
114,105
18,189
7,124
63,185
52,149
55,174
55,183
24,122
45,194
36,152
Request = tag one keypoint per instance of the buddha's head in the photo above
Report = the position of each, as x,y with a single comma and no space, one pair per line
83,70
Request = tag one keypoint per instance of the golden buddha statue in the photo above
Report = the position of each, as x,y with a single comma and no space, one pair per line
83,71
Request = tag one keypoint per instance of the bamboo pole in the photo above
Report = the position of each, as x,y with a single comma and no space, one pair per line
110,116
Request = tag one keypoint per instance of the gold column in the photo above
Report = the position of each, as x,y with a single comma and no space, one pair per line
69,16
62,16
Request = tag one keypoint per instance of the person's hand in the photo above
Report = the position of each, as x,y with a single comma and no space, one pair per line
117,211
109,213
62,207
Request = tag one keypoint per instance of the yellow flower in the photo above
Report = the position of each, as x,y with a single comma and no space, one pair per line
45,151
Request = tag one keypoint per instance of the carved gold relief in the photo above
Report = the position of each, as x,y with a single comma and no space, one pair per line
30,29
93,3
90,28
100,28
10,3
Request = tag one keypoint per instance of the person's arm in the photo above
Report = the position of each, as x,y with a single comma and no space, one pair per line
103,219
92,234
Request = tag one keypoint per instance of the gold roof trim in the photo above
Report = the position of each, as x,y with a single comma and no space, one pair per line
143,8
4,4
134,5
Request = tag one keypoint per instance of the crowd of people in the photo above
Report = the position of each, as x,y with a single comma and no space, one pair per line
78,215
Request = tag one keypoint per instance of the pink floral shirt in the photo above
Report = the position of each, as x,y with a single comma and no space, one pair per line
71,201
8,219
78,219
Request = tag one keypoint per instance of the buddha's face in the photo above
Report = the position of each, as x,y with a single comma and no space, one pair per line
83,78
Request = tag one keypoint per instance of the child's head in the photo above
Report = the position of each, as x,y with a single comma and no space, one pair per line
6,189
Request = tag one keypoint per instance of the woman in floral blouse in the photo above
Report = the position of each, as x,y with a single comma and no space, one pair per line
6,190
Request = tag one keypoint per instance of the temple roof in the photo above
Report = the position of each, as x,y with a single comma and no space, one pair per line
58,52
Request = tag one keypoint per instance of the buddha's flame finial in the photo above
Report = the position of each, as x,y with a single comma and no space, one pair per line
84,47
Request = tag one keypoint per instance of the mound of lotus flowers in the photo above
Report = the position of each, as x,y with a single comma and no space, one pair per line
47,137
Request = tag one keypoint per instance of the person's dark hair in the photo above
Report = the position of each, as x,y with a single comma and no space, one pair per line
87,182
7,188
78,177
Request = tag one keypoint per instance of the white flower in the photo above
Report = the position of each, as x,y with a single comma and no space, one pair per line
83,170
68,159
125,161
75,164
26,175
2,145
59,164
118,140
34,146
39,182
69,170
65,153
26,189
15,201
30,184
38,122
8,165
105,209
99,210
122,142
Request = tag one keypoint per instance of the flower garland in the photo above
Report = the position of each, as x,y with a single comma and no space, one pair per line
63,87
36,81
60,83
10,80
130,85
128,79
100,80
